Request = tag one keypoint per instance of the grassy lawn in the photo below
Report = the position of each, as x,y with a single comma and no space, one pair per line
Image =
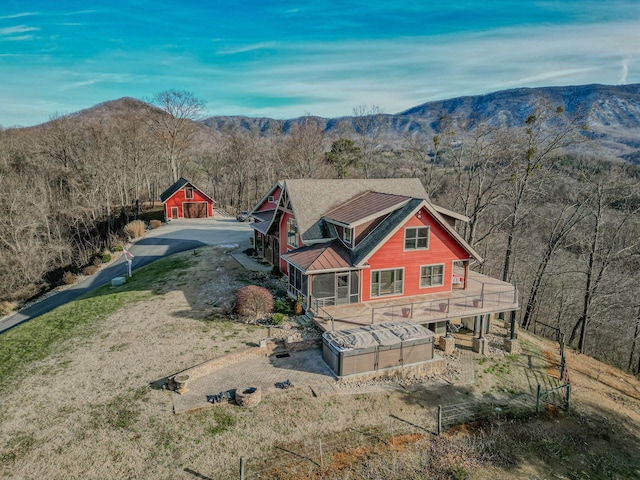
80,400
50,333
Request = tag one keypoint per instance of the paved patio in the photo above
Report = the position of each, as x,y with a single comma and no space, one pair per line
303,369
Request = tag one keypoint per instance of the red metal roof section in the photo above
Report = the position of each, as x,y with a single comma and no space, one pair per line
320,257
365,206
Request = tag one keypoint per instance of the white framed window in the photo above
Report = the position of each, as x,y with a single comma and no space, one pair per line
347,235
416,238
270,199
188,193
387,282
292,233
431,275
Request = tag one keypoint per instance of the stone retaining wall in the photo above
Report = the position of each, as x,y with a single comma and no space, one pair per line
303,344
205,368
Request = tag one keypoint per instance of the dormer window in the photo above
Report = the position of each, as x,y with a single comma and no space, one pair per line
270,199
347,235
188,193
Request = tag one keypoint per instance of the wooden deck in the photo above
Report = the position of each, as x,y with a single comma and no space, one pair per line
483,295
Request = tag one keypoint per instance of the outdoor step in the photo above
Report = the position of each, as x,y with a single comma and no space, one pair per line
305,321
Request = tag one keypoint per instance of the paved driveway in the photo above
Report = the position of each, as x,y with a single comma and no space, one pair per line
176,236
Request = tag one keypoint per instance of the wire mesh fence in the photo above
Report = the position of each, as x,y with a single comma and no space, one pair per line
342,454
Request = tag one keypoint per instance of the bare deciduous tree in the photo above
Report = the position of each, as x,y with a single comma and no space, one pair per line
176,130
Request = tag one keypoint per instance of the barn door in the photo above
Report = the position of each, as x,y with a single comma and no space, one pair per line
194,210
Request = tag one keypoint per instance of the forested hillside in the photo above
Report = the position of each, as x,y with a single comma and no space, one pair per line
552,206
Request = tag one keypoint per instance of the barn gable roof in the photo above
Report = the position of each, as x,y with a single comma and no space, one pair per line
177,186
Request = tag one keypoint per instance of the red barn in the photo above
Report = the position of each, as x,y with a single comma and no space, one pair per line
184,200
371,251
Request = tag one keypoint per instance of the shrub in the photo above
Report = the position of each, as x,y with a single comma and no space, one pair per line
69,278
282,306
89,270
97,260
155,223
253,301
277,318
6,308
106,257
135,229
117,248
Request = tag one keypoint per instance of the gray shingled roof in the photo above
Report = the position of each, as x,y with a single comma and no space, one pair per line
312,198
168,193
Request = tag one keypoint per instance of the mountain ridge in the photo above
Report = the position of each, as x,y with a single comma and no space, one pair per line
614,115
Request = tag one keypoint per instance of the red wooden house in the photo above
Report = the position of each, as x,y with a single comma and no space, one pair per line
184,200
374,251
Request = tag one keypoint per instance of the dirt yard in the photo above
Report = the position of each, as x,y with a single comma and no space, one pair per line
96,411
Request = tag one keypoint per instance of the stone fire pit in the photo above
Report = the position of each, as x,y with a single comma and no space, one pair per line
248,396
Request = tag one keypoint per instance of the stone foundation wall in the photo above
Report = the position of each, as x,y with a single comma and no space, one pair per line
417,370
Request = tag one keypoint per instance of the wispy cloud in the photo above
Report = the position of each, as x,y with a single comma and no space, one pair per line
19,15
399,73
19,38
625,71
17,29
93,79
285,60
78,12
247,48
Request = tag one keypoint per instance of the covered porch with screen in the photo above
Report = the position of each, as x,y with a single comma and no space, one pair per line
320,290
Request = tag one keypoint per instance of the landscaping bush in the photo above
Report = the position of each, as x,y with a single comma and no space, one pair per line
117,248
89,270
277,318
106,257
97,260
69,278
282,306
155,223
6,308
253,301
135,229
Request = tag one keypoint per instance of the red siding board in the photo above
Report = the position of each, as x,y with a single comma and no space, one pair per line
443,249
267,205
178,198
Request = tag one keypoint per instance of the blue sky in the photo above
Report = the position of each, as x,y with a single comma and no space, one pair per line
284,59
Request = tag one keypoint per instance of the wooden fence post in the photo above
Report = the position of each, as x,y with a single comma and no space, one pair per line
242,464
538,400
439,419
568,398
